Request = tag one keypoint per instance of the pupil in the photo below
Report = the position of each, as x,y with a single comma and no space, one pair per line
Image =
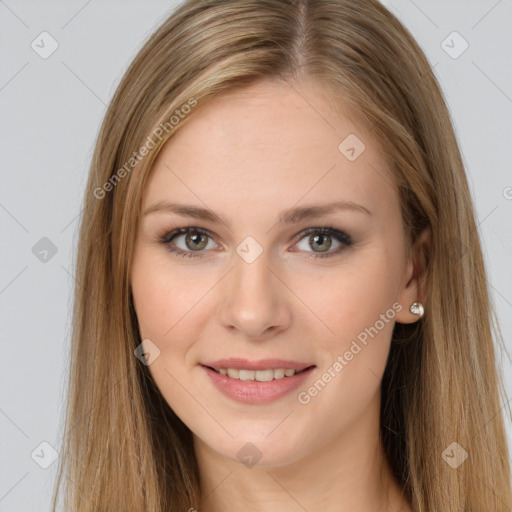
196,240
322,237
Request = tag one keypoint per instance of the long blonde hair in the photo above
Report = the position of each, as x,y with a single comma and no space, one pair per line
124,448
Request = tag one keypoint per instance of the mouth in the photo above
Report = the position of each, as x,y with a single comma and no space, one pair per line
265,375
257,382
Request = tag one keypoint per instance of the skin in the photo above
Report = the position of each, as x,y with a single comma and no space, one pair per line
250,155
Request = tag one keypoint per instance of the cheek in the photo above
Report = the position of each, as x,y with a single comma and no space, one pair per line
164,297
357,320
171,314
345,301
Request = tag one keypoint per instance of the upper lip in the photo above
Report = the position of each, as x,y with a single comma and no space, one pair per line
261,364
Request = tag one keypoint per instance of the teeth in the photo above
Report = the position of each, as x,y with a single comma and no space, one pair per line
279,373
234,374
259,375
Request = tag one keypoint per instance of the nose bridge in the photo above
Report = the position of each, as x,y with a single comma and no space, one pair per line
252,277
252,300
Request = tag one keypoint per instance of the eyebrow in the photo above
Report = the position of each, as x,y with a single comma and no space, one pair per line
292,216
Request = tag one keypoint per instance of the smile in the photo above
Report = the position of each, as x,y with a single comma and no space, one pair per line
259,375
259,386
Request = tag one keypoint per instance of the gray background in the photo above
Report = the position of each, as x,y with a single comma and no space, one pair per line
51,111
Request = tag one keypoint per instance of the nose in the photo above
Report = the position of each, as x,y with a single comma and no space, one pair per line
254,300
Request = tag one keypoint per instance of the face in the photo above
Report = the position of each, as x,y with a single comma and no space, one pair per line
266,279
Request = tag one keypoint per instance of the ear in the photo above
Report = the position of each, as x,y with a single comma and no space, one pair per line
415,283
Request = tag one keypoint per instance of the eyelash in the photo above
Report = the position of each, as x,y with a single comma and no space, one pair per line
341,236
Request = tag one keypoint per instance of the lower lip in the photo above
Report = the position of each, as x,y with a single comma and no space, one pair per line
256,392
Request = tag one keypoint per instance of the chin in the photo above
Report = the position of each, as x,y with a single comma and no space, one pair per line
253,449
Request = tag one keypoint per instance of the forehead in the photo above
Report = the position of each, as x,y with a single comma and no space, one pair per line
272,143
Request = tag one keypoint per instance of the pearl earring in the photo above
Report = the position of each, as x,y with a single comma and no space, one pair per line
417,309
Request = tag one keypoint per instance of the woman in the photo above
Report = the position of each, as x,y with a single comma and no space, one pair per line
282,298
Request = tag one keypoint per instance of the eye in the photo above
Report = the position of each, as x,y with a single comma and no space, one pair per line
195,240
322,238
